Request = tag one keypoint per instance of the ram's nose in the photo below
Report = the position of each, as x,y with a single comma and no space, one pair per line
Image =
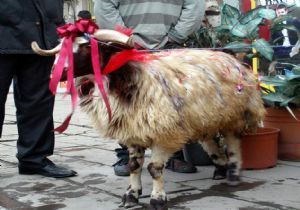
85,87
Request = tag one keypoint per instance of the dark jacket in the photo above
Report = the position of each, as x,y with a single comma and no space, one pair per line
22,22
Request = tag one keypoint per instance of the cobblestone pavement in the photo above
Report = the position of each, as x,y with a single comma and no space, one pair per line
97,188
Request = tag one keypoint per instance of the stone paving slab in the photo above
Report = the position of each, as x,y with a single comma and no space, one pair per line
208,201
270,187
97,188
86,140
10,130
47,193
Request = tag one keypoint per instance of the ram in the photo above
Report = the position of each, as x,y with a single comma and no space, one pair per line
167,100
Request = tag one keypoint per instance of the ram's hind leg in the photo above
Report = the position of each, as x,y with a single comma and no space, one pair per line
136,161
234,159
217,154
156,166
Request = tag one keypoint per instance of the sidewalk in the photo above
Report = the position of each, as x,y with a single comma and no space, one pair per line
97,188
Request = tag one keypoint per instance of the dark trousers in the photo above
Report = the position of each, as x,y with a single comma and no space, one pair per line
34,104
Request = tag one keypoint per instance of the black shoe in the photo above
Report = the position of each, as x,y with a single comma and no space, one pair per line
121,168
49,170
180,166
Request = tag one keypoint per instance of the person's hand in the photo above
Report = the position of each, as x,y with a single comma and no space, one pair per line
172,44
131,42
170,40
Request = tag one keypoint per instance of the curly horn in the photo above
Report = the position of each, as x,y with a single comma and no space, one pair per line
35,47
106,35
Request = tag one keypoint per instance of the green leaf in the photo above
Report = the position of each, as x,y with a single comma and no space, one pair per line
250,15
278,80
254,34
293,78
252,26
246,30
296,70
264,48
267,13
274,98
239,30
238,46
287,101
280,19
250,56
228,22
225,27
287,88
278,27
230,11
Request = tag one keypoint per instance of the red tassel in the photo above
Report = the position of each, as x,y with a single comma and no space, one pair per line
64,125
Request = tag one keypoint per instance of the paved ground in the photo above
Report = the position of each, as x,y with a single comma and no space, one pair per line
97,188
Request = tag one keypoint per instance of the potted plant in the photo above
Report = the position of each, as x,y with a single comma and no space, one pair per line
260,149
283,99
283,96
237,32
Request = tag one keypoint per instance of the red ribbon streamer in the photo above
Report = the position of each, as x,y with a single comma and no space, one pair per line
97,72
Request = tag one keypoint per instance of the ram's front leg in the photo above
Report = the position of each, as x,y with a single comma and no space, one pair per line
136,161
156,166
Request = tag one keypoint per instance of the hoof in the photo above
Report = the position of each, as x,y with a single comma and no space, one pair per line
233,180
158,204
129,201
220,173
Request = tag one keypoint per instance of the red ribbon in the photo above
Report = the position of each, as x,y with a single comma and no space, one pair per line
97,72
69,32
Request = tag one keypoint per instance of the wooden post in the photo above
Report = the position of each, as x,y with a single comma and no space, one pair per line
254,60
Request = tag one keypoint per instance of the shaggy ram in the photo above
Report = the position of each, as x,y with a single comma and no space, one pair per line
175,97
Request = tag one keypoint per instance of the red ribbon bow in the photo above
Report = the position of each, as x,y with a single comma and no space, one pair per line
74,30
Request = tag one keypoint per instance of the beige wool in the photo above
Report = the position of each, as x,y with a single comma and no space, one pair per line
180,96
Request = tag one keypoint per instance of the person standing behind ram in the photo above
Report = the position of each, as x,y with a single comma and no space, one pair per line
287,37
84,14
156,25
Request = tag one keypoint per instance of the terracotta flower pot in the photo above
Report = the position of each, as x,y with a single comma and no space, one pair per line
289,136
259,150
